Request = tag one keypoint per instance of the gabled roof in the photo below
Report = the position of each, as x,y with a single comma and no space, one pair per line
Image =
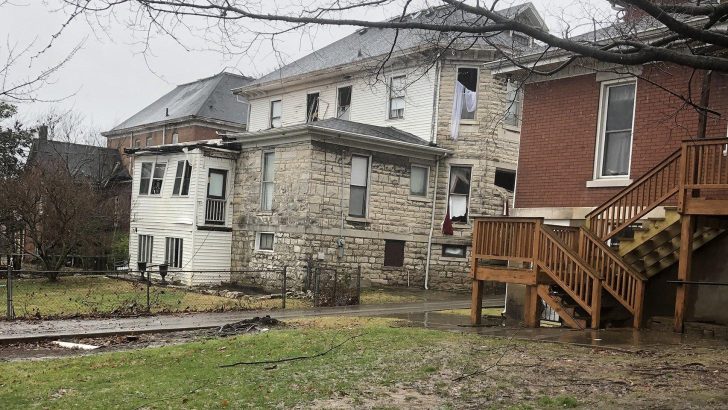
100,164
367,43
208,98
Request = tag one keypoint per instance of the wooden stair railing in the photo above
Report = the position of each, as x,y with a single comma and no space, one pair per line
568,234
619,279
706,169
570,272
638,199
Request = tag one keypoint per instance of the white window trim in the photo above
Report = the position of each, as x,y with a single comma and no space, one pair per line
270,111
351,100
388,116
320,117
369,189
617,180
182,181
477,95
470,190
151,179
427,182
257,242
168,254
262,171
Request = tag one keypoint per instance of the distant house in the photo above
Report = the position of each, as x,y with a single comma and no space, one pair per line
191,112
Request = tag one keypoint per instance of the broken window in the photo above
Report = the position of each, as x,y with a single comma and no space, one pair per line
394,253
265,241
182,178
312,107
358,186
343,102
157,179
454,251
173,252
146,178
275,114
396,97
418,181
459,193
266,201
514,95
145,246
468,77
505,179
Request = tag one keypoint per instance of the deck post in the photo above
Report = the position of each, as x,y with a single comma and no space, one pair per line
476,303
596,304
639,304
683,270
530,309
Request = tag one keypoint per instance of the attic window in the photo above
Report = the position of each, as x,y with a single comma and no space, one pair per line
343,102
312,107
520,39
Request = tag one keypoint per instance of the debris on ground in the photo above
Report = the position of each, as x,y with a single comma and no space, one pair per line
77,346
254,325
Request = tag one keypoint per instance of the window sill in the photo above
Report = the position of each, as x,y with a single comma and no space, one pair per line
358,219
418,198
460,225
469,122
453,259
263,251
608,182
512,128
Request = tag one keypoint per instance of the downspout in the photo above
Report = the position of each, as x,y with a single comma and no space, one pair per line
432,225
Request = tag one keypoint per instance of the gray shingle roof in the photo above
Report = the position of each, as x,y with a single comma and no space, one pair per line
206,98
367,43
100,164
390,133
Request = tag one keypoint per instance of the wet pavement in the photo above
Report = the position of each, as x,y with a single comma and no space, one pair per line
27,330
616,338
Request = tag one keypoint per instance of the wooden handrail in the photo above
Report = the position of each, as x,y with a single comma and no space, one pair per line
706,165
620,279
636,200
504,238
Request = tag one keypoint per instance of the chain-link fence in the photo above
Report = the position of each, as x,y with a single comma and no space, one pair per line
333,284
35,294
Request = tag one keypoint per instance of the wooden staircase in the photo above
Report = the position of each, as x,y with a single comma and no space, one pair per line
574,270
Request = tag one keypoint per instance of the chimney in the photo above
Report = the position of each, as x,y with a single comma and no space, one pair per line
43,133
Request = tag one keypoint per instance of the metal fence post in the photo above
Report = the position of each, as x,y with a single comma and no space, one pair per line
283,290
149,282
358,286
9,290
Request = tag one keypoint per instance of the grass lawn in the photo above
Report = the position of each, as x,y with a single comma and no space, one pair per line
387,366
98,295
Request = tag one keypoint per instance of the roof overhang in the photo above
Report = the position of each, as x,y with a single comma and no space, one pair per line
218,145
187,120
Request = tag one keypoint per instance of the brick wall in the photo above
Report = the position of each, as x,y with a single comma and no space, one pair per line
558,135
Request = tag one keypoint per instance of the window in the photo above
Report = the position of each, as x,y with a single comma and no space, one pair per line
175,138
454,251
514,95
217,179
266,185
145,246
157,179
459,190
137,143
173,252
275,114
182,178
312,107
343,103
615,137
520,39
468,77
505,179
396,97
394,253
418,180
145,178
264,241
149,142
358,186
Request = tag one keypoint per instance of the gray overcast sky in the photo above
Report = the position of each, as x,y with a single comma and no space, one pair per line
111,77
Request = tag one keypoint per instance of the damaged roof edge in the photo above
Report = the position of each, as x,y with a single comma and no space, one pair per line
218,144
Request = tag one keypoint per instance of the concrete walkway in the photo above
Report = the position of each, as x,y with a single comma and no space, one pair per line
29,330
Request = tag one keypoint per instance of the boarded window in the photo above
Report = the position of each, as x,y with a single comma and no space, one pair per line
267,186
358,186
505,179
459,193
312,107
173,252
418,181
394,253
145,246
182,178
454,251
469,78
343,102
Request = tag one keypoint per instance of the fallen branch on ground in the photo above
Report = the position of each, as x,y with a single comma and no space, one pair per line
290,359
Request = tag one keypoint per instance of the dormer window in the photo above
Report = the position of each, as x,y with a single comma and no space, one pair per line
520,39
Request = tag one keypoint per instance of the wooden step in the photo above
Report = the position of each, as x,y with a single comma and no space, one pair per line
566,313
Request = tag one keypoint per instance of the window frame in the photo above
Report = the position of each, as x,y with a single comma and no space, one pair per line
602,126
263,182
477,93
258,235
148,141
518,97
510,171
351,96
391,97
399,259
175,138
309,119
149,243
224,173
470,191
427,180
367,187
148,192
178,248
184,179
447,245
270,113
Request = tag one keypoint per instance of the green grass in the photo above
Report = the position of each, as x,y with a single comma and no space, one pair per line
99,295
